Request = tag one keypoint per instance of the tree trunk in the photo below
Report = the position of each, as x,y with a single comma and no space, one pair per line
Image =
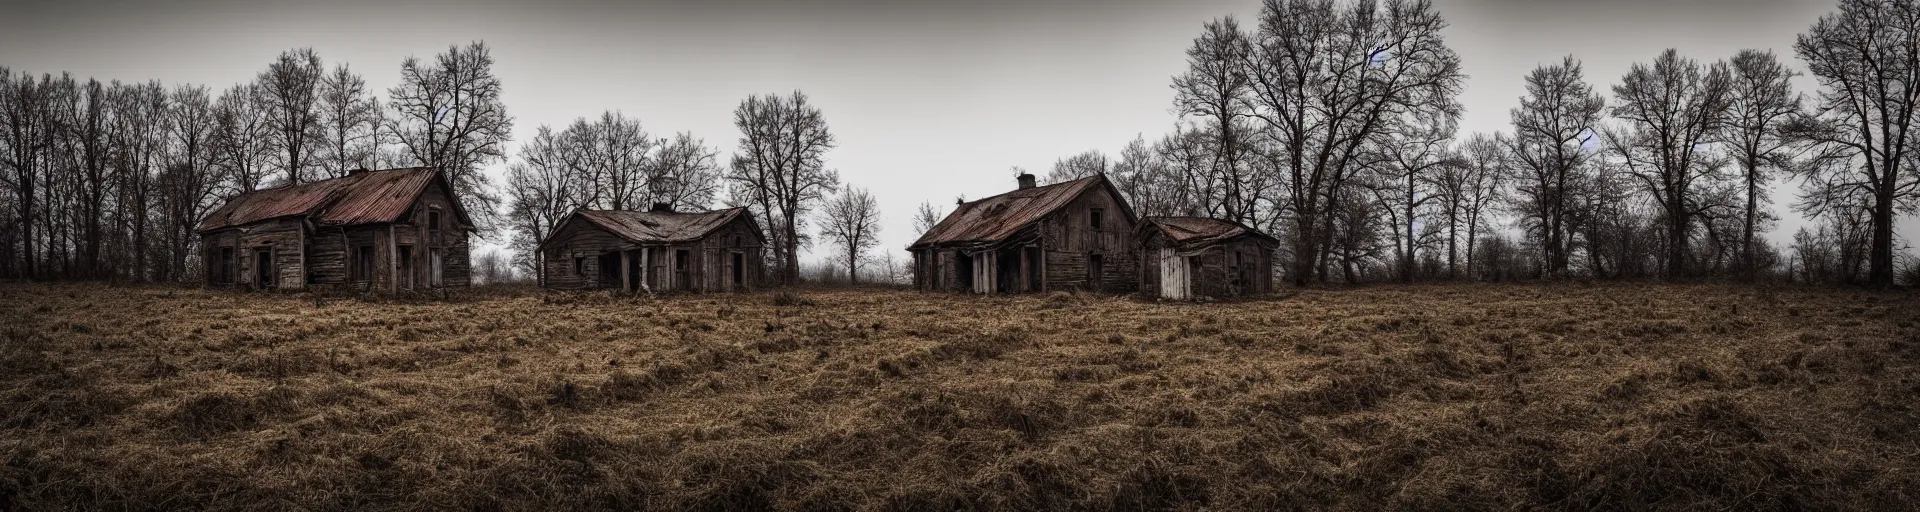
1880,256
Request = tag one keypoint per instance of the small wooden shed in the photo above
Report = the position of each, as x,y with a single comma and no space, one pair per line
387,231
1072,235
1191,258
656,250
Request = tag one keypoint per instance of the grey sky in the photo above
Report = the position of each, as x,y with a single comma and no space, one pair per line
929,100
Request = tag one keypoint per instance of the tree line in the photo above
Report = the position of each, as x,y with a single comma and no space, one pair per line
107,180
1333,125
777,172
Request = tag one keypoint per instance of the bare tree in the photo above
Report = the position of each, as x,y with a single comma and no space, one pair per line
290,90
1214,90
1466,189
1867,58
240,139
685,172
448,115
492,269
925,218
1078,166
780,168
1672,109
1402,171
187,184
1760,102
1552,127
612,154
22,122
1326,78
541,191
1144,180
853,225
350,123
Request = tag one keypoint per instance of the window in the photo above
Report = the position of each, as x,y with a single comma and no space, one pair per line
363,263
1095,218
580,266
433,219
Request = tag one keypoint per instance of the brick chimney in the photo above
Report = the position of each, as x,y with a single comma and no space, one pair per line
1026,180
662,207
356,170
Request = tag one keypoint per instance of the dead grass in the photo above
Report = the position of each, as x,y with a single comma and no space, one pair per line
1418,397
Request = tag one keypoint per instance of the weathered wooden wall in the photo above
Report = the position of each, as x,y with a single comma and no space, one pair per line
1071,241
708,264
283,237
1239,267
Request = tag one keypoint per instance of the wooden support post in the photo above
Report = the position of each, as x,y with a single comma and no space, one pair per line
626,277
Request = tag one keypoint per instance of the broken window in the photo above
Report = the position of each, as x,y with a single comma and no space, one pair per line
433,219
1095,217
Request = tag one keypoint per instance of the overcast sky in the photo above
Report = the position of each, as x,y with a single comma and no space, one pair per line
929,100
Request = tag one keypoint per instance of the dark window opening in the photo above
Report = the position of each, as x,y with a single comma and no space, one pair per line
580,266
433,219
1095,219
363,263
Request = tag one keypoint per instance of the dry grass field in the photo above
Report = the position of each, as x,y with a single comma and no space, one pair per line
1560,396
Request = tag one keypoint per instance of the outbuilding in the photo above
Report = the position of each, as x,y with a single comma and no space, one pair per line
656,250
1192,258
1072,235
387,231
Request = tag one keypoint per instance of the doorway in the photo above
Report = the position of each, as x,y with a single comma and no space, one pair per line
682,280
963,270
1096,270
609,270
404,271
263,269
739,272
1006,271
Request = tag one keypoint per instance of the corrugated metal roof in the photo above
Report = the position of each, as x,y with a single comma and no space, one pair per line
359,198
378,196
660,227
995,218
1200,230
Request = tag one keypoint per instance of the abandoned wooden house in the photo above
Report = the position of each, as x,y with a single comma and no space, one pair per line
656,250
1189,258
1073,235
390,230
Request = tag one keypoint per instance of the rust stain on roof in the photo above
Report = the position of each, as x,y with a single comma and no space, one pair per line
1200,230
661,227
995,218
359,198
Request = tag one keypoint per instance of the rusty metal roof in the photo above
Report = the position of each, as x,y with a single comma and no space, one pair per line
378,196
661,227
1200,230
358,198
995,218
